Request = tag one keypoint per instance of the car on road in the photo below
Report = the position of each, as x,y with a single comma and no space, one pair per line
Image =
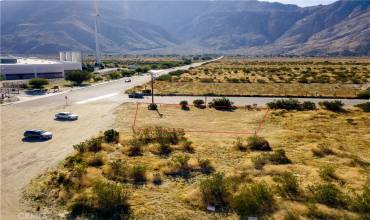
136,96
38,134
127,80
66,116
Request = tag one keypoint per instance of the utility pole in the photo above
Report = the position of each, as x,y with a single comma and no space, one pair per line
151,72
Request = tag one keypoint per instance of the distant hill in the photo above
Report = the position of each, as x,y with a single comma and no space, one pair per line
243,27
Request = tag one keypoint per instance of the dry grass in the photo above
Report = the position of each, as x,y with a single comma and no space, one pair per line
285,77
295,132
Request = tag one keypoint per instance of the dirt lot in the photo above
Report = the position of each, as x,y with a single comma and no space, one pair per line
347,135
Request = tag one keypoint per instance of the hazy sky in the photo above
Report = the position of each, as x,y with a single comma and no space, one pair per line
303,3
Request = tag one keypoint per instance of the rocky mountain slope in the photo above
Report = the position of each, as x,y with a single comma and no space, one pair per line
245,27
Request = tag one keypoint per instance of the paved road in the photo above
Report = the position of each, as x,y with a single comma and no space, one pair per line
22,161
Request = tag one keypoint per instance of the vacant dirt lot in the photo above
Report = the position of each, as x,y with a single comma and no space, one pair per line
270,77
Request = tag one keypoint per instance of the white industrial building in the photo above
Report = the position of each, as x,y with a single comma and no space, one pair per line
16,68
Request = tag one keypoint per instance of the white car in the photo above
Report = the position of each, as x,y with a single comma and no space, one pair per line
127,80
66,116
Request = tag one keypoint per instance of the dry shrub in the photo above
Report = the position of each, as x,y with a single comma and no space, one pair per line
135,148
257,143
277,157
205,166
186,146
240,145
322,151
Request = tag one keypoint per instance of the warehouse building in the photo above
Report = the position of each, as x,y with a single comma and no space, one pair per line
17,68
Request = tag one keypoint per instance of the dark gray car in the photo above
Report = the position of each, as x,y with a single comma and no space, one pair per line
38,134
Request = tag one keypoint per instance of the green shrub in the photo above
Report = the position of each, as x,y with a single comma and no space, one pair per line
307,105
287,104
364,106
137,174
255,199
97,78
179,166
361,202
187,146
38,83
118,172
90,145
96,160
315,213
142,69
164,77
115,75
205,166
184,105
329,195
109,200
260,161
291,104
328,173
134,148
127,73
198,103
279,157
152,107
364,94
177,73
258,143
159,134
221,104
335,106
164,149
111,136
288,185
157,179
291,216
214,191
78,76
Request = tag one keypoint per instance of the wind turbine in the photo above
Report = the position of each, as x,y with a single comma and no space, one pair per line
97,27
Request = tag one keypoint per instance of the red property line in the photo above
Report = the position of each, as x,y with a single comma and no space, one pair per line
262,122
135,116
134,128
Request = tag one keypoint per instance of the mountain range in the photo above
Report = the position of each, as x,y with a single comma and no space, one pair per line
247,27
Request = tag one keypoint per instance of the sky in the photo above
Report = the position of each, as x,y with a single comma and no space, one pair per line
303,3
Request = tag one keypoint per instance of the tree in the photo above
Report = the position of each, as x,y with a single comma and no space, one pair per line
38,83
78,76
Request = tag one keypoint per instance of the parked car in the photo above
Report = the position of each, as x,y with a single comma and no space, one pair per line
66,116
127,80
136,96
39,134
